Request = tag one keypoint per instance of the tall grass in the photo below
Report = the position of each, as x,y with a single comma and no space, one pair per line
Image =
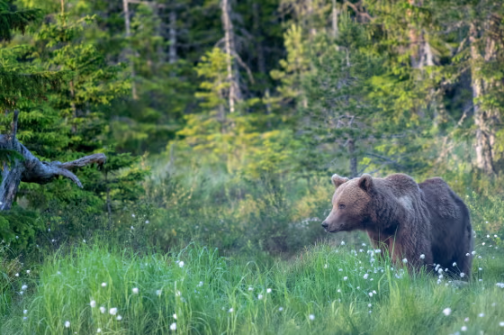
325,290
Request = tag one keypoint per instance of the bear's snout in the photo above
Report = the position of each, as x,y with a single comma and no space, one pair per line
324,225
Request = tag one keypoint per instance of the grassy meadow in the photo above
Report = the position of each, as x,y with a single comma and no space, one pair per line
200,260
95,288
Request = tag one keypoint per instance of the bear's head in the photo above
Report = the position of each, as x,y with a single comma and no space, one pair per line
351,204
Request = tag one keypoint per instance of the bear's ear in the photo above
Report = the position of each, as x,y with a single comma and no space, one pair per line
338,180
366,182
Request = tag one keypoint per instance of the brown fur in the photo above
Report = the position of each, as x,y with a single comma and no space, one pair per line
405,218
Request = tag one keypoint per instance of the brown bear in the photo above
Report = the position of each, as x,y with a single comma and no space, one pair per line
426,224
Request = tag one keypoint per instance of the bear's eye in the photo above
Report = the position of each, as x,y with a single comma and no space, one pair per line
341,206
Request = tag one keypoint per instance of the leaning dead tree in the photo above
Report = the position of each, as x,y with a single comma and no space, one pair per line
25,167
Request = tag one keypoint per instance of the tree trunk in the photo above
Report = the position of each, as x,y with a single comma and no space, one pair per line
353,158
234,89
334,18
128,35
482,118
30,169
173,37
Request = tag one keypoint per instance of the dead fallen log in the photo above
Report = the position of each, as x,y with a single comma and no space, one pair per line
28,168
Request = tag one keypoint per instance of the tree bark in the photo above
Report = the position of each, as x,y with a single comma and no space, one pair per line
30,169
173,37
234,89
128,35
482,118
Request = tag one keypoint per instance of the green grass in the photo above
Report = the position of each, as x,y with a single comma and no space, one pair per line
327,282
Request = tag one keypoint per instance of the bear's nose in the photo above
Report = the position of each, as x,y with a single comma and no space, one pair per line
325,225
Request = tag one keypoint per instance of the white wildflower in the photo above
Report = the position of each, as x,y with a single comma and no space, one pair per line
181,264
365,276
200,284
103,310
147,222
462,274
230,310
98,330
325,266
311,317
468,254
454,264
177,293
67,324
268,290
158,292
369,305
280,309
175,316
173,326
27,271
405,260
133,215
119,318
25,312
466,319
135,290
104,284
260,296
473,252
501,324
250,289
24,287
370,294
447,311
342,243
17,274
113,311
422,256
92,303
464,328
481,314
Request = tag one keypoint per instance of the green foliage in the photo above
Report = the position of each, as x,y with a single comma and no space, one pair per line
326,290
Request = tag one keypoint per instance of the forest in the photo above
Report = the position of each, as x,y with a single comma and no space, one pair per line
168,163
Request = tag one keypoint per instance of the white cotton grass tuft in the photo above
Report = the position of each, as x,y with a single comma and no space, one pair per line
104,284
311,317
422,256
119,318
268,290
173,326
175,316
67,324
92,303
260,296
405,261
98,330
25,312
447,311
462,274
200,284
135,290
103,310
481,314
365,276
231,310
345,278
113,311
181,264
464,328
280,309
501,324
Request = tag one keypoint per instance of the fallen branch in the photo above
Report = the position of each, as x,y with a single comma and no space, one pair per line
30,169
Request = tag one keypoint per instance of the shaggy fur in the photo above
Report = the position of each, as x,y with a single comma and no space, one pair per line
405,218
